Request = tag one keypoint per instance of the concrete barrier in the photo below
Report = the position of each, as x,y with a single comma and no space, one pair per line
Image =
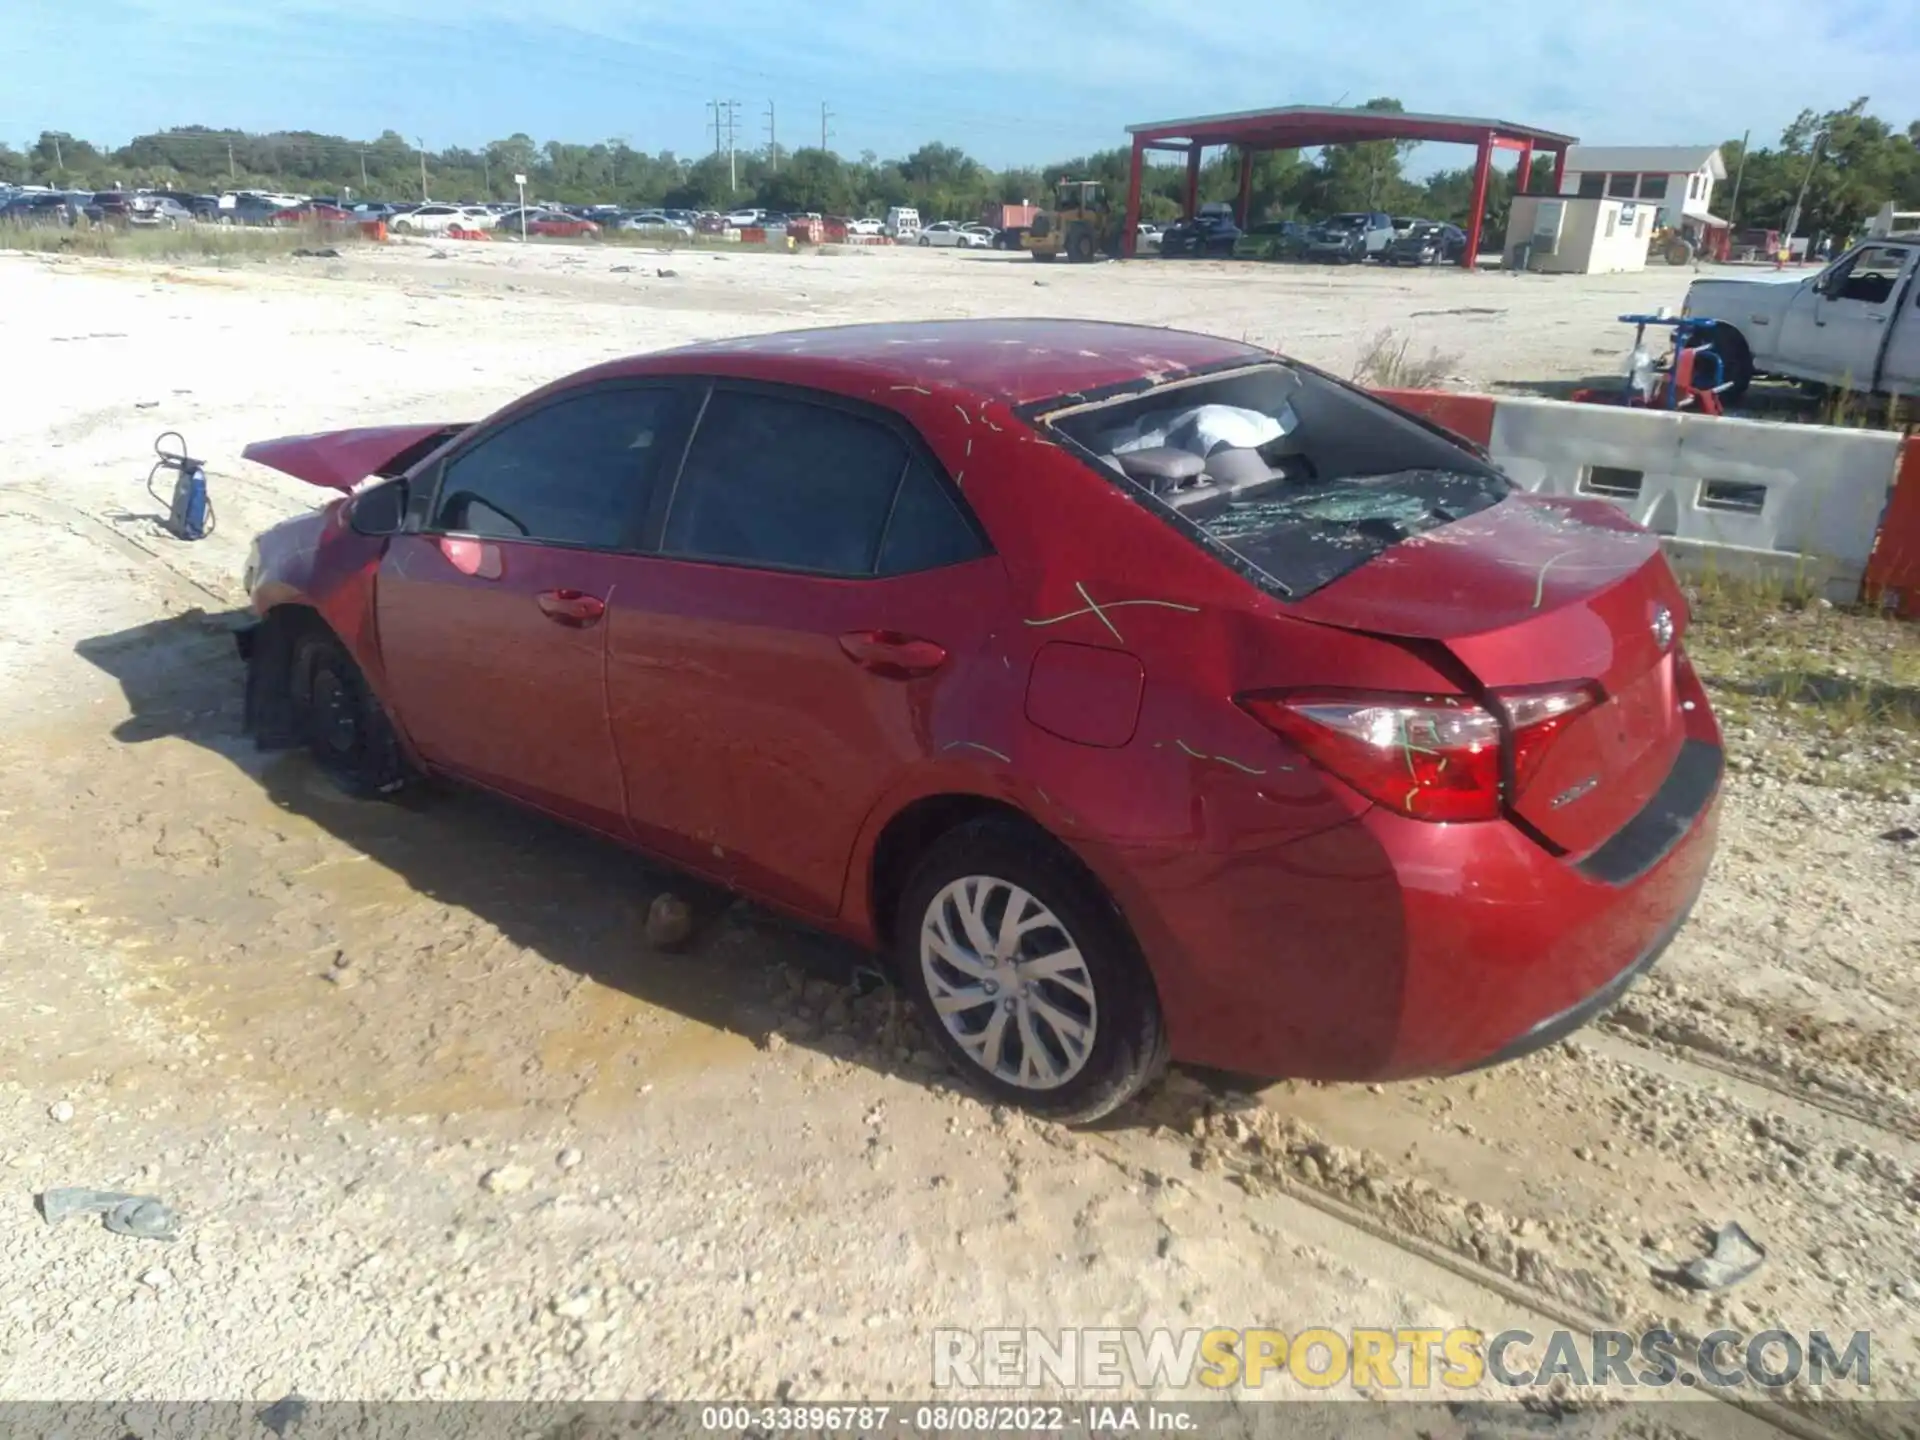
1796,502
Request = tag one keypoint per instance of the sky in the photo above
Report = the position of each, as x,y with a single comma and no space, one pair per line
1010,81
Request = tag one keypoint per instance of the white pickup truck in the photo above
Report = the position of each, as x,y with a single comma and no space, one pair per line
1854,326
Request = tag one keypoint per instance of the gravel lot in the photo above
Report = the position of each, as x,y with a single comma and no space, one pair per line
440,1123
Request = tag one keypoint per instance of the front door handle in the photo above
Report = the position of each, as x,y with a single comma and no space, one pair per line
892,655
570,607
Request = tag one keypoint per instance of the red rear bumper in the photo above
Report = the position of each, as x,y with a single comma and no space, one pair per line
1389,947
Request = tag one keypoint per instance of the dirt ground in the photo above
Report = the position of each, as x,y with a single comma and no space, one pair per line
441,1124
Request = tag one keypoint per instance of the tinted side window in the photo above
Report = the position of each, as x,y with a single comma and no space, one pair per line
785,483
927,530
579,472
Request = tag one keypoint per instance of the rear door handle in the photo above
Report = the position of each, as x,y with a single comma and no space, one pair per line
892,655
570,607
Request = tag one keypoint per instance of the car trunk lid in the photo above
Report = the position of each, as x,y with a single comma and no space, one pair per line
1537,595
341,459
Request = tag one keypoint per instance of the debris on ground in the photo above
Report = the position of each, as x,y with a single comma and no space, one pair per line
1901,835
324,252
665,274
1735,1257
506,1180
669,922
144,1217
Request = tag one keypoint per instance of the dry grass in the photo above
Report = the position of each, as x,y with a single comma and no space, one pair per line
208,244
1824,694
1851,410
1387,363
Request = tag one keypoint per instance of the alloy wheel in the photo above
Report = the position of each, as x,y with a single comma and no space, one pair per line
1008,982
336,720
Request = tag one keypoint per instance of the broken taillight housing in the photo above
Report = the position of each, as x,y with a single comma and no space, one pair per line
1431,757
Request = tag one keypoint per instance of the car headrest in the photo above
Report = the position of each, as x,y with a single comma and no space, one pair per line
1238,467
1162,468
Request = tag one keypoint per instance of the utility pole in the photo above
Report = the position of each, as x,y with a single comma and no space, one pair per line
232,174
773,142
825,115
726,118
486,175
420,144
59,160
1733,205
365,189
732,108
1813,161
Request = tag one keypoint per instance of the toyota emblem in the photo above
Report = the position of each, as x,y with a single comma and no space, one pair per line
1662,626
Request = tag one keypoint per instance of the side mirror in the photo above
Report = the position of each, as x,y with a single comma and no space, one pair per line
380,510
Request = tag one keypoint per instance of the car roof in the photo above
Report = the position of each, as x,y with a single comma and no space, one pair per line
1015,361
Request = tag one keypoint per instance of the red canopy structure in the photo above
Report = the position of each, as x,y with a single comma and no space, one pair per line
1300,127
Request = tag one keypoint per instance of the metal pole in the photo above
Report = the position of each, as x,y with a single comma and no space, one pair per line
420,144
1130,236
1483,166
733,168
1733,204
1813,161
520,184
773,140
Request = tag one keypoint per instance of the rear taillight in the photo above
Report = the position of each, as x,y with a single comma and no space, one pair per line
1431,757
1535,719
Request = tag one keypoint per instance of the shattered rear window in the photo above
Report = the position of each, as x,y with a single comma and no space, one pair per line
1288,476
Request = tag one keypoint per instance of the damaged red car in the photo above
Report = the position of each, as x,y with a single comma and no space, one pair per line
1141,694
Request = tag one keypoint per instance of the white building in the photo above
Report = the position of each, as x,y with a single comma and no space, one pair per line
1680,178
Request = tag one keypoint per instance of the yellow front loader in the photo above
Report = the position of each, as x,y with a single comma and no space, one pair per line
1080,225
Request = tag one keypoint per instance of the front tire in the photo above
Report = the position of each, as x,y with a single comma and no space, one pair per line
1026,975
342,723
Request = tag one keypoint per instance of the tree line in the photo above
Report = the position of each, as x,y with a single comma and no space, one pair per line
1839,167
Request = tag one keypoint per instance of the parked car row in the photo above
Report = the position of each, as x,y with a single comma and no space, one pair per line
1345,239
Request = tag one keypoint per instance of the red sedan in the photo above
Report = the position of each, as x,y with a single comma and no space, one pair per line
1139,693
546,222
313,212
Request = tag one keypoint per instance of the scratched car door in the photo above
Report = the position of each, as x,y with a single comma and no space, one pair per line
820,590
492,618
